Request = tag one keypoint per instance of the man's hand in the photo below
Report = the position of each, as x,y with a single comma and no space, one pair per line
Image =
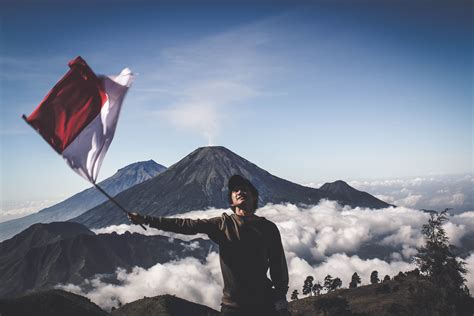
136,218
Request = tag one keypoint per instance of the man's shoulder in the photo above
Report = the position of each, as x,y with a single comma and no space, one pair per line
225,216
222,219
271,224
268,224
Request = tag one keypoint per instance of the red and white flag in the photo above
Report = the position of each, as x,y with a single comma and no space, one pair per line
79,115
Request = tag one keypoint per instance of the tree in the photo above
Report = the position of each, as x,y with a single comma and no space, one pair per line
436,258
399,277
328,282
414,273
374,277
355,281
386,278
308,285
317,288
294,295
335,284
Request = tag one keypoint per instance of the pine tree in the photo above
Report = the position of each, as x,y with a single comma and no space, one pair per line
335,284
399,277
386,278
328,282
294,295
317,288
436,258
308,285
355,281
374,277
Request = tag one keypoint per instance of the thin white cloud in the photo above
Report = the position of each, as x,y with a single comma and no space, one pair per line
201,81
30,69
15,209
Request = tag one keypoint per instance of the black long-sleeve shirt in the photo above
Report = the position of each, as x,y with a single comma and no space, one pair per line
248,247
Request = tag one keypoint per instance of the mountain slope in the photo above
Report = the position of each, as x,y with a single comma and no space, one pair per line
28,265
39,235
199,181
50,303
164,305
408,295
345,194
85,200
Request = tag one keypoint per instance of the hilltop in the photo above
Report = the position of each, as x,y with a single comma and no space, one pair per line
407,295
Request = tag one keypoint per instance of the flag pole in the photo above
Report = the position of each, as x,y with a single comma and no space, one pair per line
115,202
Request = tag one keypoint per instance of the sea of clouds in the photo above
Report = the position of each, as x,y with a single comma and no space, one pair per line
318,240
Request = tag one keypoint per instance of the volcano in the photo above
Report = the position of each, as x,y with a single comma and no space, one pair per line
199,181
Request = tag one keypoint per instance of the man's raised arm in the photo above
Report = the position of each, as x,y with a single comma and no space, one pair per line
185,226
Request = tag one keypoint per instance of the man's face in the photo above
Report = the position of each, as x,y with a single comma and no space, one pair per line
243,198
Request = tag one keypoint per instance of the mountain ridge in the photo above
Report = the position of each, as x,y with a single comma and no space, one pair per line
45,255
342,192
199,181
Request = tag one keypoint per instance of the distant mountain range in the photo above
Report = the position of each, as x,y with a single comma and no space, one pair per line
199,181
81,202
44,255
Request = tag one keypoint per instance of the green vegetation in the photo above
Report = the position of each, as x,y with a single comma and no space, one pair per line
374,277
437,262
355,281
294,295
308,285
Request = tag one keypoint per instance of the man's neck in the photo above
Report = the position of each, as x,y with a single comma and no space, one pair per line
242,212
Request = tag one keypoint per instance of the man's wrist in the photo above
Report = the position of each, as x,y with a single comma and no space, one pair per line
147,219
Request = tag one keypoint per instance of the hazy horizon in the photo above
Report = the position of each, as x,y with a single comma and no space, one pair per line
435,192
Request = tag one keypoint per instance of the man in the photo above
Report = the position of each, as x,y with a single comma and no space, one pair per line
249,245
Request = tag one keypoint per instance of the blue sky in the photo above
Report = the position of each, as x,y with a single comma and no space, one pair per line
311,92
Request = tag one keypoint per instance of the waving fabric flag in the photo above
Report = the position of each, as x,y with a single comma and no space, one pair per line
79,115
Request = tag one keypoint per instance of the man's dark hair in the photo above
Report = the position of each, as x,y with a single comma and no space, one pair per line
237,181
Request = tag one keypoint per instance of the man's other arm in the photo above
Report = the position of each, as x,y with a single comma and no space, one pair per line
278,271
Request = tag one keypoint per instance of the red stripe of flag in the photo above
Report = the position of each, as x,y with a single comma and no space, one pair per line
70,106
